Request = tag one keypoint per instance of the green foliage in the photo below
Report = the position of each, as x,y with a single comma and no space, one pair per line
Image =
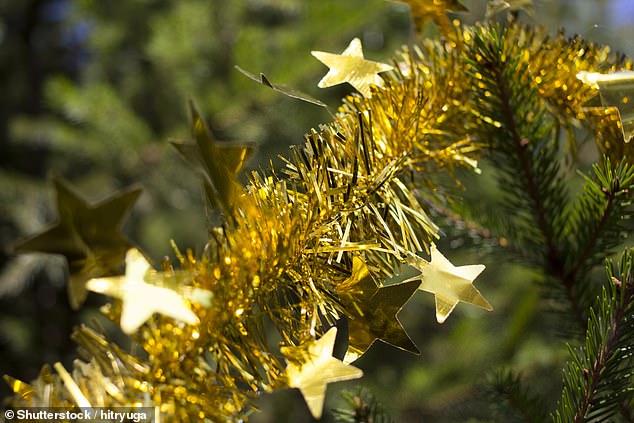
517,403
598,376
361,407
524,148
596,224
106,123
544,224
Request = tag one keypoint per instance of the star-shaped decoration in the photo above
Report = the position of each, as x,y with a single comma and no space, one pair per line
318,368
615,90
373,311
435,10
140,300
449,284
351,67
217,163
87,235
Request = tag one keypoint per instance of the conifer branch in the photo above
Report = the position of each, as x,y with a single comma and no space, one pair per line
600,362
460,220
361,407
522,404
596,379
529,177
525,136
600,211
592,241
553,258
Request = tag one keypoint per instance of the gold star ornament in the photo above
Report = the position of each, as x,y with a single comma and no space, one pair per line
316,369
435,10
615,90
372,311
351,67
140,300
87,235
450,284
217,163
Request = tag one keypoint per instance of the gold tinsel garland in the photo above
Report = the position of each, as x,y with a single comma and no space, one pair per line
302,248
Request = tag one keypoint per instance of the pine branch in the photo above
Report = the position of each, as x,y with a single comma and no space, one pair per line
597,379
362,407
520,134
524,144
461,221
518,404
525,165
597,219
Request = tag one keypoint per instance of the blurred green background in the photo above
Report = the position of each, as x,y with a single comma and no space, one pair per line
92,91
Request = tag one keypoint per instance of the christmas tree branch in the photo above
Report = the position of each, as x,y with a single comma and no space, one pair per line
361,407
301,250
597,377
508,111
524,138
460,220
517,402
599,213
593,239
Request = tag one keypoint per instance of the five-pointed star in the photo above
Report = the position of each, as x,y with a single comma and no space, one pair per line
318,370
615,90
87,235
351,67
217,163
449,284
424,10
373,312
141,300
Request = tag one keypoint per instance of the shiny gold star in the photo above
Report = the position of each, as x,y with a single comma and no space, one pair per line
318,368
373,311
449,284
351,67
141,300
435,10
87,235
615,90
217,163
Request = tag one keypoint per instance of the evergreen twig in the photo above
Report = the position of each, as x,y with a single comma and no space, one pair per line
597,376
517,403
361,407
524,137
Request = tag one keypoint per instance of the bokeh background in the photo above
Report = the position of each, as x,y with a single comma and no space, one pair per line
92,91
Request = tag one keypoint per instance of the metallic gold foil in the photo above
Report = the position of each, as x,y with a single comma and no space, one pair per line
450,284
312,367
351,67
140,300
87,235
